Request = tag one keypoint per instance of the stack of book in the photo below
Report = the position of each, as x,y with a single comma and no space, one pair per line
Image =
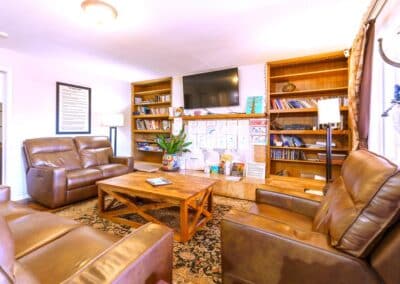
149,124
286,154
301,103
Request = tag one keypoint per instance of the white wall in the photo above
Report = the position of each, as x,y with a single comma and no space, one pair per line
32,109
251,83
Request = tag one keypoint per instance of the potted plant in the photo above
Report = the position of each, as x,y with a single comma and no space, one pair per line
172,146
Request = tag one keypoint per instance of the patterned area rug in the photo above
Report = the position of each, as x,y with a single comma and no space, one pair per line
197,261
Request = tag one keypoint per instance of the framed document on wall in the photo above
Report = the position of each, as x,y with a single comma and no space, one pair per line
73,109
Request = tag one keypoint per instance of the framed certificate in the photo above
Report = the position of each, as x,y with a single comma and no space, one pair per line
73,115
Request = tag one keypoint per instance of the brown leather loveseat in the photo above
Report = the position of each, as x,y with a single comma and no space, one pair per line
40,247
352,236
62,170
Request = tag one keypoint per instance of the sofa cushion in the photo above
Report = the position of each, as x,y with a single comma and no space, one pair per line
287,217
361,204
111,170
95,157
10,210
82,177
59,259
52,152
35,230
93,150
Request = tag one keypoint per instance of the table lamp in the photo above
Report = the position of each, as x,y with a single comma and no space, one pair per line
328,114
113,121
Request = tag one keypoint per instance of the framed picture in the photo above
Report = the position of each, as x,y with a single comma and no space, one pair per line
73,114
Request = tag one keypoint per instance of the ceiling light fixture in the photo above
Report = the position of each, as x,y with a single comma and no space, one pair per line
99,11
3,35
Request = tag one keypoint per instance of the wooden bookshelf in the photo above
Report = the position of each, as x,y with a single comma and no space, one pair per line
315,77
150,101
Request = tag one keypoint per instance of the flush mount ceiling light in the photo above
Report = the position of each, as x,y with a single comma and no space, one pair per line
98,11
3,35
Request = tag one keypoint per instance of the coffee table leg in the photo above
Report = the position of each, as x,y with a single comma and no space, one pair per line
100,198
210,200
184,228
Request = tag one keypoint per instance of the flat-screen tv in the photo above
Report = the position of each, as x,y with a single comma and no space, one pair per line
212,89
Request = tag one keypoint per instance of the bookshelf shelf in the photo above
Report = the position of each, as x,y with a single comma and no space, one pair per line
299,110
309,132
147,116
335,163
309,149
153,104
311,73
150,131
152,92
225,116
317,92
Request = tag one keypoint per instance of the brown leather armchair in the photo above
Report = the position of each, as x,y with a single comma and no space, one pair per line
62,170
39,247
352,236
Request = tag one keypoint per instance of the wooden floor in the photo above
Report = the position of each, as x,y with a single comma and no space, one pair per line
288,185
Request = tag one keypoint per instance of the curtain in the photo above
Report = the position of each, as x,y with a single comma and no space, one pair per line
360,75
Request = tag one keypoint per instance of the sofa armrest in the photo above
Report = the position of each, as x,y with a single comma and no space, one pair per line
256,249
301,203
47,185
128,161
4,193
144,256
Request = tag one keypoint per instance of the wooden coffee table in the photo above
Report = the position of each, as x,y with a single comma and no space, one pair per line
192,194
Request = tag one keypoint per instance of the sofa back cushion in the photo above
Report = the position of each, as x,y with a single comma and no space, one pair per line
57,152
361,204
93,150
6,253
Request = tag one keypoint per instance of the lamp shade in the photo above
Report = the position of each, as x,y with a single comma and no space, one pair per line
328,111
113,120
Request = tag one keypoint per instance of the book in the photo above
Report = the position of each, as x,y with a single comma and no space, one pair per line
255,104
158,181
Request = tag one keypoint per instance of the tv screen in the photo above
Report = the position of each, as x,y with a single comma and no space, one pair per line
212,89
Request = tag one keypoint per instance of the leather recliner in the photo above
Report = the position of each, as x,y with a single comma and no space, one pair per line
40,247
351,236
63,170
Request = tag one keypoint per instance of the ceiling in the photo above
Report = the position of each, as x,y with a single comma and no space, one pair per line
181,37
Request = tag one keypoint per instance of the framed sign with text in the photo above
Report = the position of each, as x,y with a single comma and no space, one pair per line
73,109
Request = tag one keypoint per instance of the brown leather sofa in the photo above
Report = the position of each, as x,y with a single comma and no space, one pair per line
352,236
62,170
39,247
